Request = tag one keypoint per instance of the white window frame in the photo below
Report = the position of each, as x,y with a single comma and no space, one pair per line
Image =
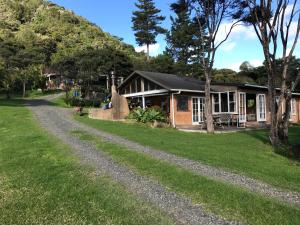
258,112
201,114
242,115
228,103
293,107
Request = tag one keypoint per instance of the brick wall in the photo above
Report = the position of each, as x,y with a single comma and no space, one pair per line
182,117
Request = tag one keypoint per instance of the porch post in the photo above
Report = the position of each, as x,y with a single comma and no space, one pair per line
143,101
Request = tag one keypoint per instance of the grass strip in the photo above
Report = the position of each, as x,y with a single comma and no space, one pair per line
223,199
243,152
41,183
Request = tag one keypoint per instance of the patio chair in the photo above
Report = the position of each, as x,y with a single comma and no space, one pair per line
226,119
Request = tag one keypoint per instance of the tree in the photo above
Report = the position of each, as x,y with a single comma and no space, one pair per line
162,63
8,49
272,22
180,38
210,15
146,23
246,67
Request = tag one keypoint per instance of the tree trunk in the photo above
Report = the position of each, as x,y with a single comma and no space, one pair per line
208,105
24,88
7,92
273,115
148,53
283,128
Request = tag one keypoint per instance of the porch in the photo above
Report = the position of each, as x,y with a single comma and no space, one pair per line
231,111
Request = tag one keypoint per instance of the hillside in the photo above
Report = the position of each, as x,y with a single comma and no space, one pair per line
47,21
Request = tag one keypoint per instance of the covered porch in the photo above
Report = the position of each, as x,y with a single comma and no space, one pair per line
232,110
148,99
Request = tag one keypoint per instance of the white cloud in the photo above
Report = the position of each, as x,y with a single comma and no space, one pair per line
228,46
153,49
256,62
238,32
236,66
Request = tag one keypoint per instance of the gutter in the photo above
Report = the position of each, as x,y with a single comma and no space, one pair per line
173,108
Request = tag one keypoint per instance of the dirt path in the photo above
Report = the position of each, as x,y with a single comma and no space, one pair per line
59,122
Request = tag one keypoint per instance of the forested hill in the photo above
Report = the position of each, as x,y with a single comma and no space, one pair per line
38,19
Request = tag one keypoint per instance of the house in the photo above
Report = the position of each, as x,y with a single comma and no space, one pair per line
182,98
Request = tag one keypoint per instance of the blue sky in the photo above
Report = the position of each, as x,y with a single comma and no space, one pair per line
114,16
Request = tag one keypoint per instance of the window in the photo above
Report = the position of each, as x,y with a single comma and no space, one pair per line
216,103
261,109
224,102
182,103
138,84
133,87
232,101
127,89
293,106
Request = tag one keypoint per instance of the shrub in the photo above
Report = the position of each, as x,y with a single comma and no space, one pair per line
147,115
76,102
73,101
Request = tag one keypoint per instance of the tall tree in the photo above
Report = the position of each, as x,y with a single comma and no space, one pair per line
210,15
180,37
146,23
273,22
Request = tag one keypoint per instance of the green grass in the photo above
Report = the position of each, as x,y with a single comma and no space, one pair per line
39,93
59,102
220,198
41,183
243,152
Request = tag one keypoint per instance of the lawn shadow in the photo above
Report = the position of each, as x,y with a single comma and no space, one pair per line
260,134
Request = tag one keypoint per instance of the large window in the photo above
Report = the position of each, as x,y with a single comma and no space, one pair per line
224,102
182,103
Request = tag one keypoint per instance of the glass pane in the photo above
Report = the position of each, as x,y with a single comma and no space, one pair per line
232,106
231,96
133,87
195,110
138,84
216,103
224,102
182,103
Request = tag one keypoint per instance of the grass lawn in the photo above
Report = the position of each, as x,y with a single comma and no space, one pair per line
223,199
37,93
41,183
244,152
59,102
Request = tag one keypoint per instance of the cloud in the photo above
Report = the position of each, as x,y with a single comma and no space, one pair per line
238,32
228,46
236,66
256,62
153,49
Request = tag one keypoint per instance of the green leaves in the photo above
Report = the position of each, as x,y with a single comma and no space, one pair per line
147,115
146,22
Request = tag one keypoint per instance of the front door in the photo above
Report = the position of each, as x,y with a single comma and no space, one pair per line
242,108
198,110
261,107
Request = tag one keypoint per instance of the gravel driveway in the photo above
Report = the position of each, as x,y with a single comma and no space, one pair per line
59,122
65,115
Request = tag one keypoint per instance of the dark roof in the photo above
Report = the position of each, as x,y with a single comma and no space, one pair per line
174,82
170,81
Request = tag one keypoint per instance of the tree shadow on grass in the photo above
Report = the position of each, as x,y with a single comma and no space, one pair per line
291,151
261,135
19,102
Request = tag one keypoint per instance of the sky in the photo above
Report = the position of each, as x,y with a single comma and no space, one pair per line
114,16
